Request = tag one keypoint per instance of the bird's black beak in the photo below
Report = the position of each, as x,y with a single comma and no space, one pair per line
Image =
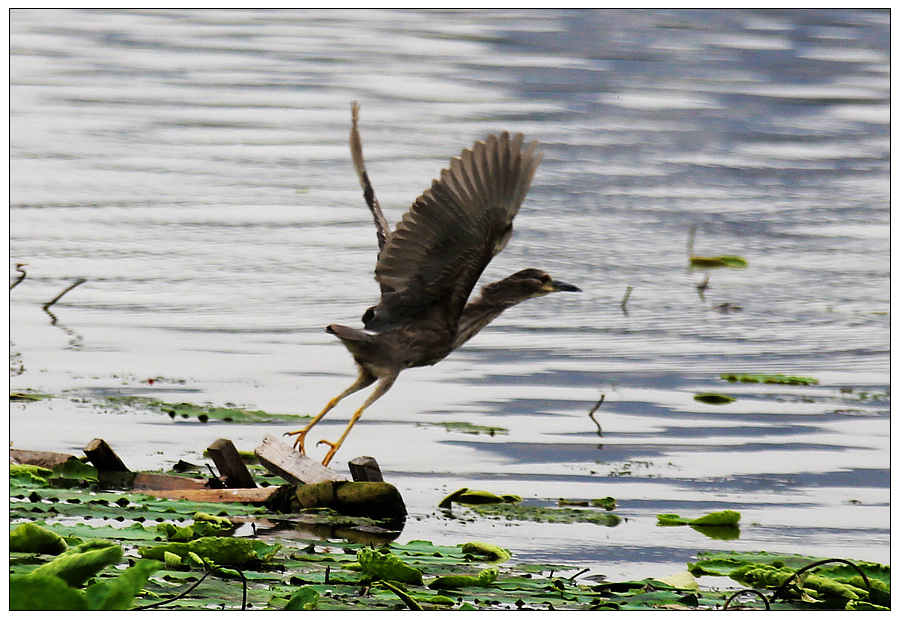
564,287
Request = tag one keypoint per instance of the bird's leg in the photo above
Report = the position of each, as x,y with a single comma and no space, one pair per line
380,389
362,381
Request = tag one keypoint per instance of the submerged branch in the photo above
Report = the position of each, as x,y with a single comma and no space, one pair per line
19,268
594,410
625,300
77,283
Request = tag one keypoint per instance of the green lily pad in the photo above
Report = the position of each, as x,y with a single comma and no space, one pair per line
462,581
306,598
47,592
29,537
218,550
725,518
533,513
76,565
491,553
464,496
714,398
385,566
718,262
770,379
201,412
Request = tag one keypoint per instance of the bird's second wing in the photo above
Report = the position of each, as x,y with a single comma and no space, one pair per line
434,258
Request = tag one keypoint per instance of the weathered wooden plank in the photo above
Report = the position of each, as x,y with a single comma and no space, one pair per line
291,465
157,481
102,456
45,459
221,495
230,464
365,468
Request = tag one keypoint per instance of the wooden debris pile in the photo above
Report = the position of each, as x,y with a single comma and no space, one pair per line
310,485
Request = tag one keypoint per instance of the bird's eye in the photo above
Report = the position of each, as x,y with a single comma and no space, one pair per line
545,279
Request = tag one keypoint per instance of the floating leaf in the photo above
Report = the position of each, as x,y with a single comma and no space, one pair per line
718,262
118,593
30,592
492,553
607,503
385,566
714,398
725,518
29,537
771,379
219,550
305,598
78,564
461,581
201,412
464,496
547,514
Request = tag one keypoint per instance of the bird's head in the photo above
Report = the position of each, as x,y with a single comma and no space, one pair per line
524,285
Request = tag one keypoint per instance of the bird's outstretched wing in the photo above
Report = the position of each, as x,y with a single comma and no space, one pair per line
433,259
381,225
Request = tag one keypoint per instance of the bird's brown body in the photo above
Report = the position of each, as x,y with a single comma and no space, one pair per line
428,266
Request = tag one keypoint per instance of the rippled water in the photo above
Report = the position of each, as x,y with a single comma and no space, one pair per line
193,167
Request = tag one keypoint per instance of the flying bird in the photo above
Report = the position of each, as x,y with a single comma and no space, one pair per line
428,266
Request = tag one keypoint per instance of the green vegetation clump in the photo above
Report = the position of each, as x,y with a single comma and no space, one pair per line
202,412
770,379
194,556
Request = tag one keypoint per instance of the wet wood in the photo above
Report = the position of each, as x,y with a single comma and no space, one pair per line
255,496
291,465
230,465
377,500
44,459
126,480
365,468
102,456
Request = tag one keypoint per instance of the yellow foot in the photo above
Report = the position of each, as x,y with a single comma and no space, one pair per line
331,452
298,442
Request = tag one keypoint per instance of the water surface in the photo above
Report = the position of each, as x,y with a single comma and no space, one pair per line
193,167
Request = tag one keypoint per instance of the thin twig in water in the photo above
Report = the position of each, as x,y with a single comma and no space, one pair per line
197,584
625,300
584,571
701,287
743,592
594,410
690,243
19,268
78,282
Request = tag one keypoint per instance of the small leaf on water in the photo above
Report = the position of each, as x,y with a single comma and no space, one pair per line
385,566
718,262
714,398
725,518
492,553
607,503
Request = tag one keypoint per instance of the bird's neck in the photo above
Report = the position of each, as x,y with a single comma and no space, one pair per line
476,316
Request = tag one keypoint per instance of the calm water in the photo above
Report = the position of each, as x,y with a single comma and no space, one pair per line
193,167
